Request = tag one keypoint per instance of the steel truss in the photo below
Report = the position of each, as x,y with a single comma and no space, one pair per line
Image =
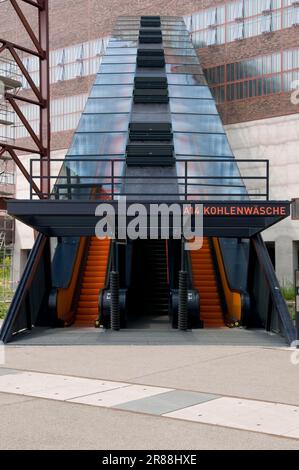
41,92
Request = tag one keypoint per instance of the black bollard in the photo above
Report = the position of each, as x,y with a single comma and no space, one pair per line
183,302
114,309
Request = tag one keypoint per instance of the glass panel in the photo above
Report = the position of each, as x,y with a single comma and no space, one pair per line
120,59
196,123
193,69
235,10
125,30
104,122
181,59
266,24
126,37
98,144
107,79
189,92
119,43
107,105
121,51
185,44
224,184
118,68
85,176
179,51
211,37
169,34
202,144
177,79
178,105
111,91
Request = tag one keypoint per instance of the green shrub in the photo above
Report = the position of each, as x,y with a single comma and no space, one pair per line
288,292
3,309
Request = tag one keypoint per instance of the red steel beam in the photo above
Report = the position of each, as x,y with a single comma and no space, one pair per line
21,98
27,26
42,92
19,148
3,204
18,47
44,80
25,122
25,72
25,173
38,4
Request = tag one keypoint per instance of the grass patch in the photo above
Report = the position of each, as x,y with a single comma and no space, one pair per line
288,292
292,310
5,290
3,309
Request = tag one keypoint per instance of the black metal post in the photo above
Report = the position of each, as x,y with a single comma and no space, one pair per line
114,288
297,306
183,292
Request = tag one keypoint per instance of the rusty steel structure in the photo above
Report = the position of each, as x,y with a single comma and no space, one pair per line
41,92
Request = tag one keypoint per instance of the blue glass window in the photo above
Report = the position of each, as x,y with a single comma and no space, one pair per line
107,105
188,106
202,145
189,92
196,123
111,91
104,123
98,144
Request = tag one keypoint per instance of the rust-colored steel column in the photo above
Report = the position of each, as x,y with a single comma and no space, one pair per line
45,131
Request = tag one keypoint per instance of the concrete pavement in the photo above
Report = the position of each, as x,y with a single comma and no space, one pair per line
258,370
44,424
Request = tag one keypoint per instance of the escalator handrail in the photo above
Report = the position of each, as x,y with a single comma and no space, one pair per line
23,286
108,268
274,288
245,298
189,269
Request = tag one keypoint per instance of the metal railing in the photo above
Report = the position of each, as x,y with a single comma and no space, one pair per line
192,180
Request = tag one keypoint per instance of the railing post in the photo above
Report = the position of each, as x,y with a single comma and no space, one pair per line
31,177
186,179
112,179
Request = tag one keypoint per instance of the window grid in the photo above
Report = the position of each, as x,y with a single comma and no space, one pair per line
241,19
70,62
259,76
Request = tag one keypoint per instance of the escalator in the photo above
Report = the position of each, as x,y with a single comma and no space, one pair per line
149,291
159,124
93,280
205,281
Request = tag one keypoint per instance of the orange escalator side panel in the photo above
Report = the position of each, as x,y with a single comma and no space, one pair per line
232,297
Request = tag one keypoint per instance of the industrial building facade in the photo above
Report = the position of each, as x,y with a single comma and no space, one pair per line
249,50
